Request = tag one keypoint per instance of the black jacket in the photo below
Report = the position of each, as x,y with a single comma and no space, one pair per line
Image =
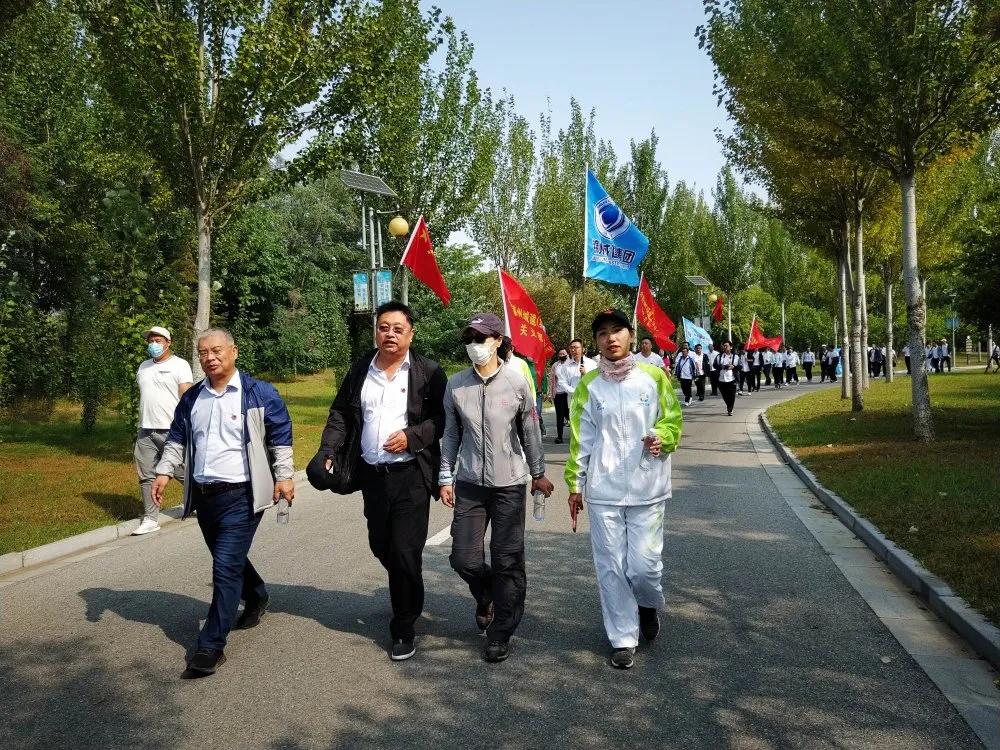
424,413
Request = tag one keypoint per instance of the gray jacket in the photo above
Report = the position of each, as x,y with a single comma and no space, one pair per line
487,424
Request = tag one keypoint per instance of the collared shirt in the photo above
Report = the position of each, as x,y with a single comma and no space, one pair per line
768,357
725,360
808,358
383,412
568,374
653,359
217,431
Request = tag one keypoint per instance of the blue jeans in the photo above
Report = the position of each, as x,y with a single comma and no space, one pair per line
228,524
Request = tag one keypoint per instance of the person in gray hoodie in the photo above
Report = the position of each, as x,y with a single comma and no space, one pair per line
492,446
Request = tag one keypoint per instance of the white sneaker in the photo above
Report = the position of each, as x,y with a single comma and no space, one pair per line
147,526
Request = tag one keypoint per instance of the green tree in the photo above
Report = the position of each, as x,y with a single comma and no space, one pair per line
215,89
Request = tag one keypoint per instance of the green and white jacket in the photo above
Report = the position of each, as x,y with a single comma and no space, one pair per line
607,422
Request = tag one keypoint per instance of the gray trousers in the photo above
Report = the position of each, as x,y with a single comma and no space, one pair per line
148,448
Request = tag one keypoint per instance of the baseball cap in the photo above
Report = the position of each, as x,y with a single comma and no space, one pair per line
611,315
487,324
159,331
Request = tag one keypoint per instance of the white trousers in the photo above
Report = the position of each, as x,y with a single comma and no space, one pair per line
628,557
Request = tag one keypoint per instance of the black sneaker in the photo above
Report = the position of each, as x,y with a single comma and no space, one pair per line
204,663
484,616
496,651
252,614
649,623
622,658
402,650
558,440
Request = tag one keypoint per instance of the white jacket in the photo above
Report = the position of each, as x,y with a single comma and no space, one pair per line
607,422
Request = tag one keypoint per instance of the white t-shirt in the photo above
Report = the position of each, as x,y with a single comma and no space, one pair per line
568,373
158,395
727,376
792,359
808,358
653,359
906,350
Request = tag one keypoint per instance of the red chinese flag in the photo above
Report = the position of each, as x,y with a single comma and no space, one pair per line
524,324
757,339
717,310
653,319
419,258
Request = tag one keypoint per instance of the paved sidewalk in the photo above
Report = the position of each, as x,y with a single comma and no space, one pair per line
766,644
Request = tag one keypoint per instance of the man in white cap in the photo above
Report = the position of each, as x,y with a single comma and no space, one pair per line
162,380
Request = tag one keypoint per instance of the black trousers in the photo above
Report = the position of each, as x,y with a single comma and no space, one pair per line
779,373
714,379
907,365
755,377
946,362
791,373
503,581
728,394
397,507
561,401
700,384
809,371
686,388
832,369
767,374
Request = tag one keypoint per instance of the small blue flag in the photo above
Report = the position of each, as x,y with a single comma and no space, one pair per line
695,335
614,246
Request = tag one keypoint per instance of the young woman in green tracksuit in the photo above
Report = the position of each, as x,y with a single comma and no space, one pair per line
625,421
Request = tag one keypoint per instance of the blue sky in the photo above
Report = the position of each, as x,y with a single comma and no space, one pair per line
637,62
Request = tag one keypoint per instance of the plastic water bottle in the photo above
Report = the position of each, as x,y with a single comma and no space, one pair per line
539,505
646,462
284,514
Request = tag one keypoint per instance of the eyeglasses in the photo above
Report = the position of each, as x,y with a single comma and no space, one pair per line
213,352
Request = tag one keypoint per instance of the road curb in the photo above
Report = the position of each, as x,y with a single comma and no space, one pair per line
29,558
982,635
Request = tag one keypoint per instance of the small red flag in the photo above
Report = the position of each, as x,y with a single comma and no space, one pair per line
757,340
653,319
524,324
717,311
419,258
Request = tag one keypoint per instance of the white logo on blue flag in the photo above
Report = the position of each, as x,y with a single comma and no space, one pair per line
614,245
695,335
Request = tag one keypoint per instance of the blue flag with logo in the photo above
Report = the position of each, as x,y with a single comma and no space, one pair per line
614,246
695,335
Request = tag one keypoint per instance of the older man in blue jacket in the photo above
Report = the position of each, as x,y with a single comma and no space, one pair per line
234,437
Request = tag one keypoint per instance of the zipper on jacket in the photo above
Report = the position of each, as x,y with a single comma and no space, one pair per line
482,428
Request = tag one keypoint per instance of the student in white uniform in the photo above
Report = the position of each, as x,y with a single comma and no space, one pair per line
686,370
568,374
713,374
624,424
906,357
778,368
808,360
727,365
791,366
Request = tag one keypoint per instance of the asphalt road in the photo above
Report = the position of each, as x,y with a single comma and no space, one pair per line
764,642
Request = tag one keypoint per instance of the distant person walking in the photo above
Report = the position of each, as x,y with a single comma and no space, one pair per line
704,367
162,380
727,365
234,437
906,357
686,370
567,375
808,360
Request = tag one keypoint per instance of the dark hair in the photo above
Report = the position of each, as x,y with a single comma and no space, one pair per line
394,306
505,348
577,341
646,338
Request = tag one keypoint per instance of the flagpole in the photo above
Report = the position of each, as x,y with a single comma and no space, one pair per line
751,330
635,312
503,303
572,321
729,310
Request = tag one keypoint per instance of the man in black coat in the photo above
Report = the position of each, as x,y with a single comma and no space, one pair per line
393,401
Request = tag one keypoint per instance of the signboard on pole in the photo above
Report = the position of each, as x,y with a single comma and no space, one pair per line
952,322
362,298
383,286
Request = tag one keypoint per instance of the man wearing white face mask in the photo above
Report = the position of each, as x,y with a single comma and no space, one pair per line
491,448
162,380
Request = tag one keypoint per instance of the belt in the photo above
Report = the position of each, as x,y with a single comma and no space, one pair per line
217,488
392,468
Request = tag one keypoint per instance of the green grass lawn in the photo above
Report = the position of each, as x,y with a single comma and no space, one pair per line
56,481
949,490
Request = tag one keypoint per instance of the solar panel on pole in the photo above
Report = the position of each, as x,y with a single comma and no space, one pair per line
365,183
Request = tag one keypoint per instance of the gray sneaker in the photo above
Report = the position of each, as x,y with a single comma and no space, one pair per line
622,658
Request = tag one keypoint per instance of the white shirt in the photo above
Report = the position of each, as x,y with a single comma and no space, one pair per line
792,359
383,412
653,359
712,356
568,373
158,395
686,367
217,430
779,359
808,358
906,350
726,376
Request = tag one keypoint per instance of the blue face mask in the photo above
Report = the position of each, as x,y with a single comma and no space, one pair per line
155,349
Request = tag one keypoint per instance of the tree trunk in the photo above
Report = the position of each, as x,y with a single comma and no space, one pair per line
572,317
862,293
888,333
202,315
916,313
782,321
845,378
857,359
729,316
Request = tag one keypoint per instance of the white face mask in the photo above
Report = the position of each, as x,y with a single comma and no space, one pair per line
480,353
